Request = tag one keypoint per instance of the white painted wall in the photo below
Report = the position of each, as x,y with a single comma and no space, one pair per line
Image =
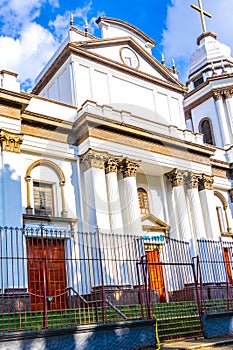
92,81
207,110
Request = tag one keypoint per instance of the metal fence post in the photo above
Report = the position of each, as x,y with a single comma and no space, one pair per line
44,277
102,278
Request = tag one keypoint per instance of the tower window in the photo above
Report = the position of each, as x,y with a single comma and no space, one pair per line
205,127
143,201
198,82
43,198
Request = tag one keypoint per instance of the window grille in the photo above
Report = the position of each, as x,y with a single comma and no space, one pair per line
143,201
43,198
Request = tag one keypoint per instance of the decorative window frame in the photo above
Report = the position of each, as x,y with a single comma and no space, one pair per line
29,183
147,210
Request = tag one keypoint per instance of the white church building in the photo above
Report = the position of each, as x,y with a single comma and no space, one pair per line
110,138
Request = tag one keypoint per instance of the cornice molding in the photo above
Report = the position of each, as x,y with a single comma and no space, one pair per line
29,116
19,100
216,93
127,26
100,128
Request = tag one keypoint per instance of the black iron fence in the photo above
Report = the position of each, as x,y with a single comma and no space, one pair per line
57,278
215,269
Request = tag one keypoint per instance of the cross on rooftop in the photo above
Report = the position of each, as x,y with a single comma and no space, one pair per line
203,13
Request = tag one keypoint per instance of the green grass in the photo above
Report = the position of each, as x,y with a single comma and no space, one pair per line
175,319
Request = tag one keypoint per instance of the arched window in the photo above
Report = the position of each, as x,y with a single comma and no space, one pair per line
45,189
143,201
221,208
205,127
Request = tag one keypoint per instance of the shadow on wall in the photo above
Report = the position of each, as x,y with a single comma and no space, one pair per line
127,335
11,203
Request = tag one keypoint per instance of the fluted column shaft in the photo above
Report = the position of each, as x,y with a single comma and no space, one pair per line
96,190
113,196
177,179
192,182
207,199
129,169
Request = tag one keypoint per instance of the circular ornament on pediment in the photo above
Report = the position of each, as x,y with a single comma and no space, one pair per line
129,57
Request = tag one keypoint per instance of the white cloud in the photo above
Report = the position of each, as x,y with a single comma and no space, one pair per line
81,15
183,26
29,53
27,46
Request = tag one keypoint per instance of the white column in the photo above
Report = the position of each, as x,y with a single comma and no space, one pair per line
113,196
131,218
192,182
188,120
229,106
116,252
222,118
214,272
12,241
96,190
98,213
206,194
177,179
129,169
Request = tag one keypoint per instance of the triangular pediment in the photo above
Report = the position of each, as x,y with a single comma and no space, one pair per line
111,50
151,223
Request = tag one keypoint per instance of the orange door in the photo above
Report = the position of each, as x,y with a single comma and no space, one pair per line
46,273
228,265
156,274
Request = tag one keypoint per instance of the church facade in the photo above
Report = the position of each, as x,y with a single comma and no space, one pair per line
109,138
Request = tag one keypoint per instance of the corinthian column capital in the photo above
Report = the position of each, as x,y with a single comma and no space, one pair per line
94,159
192,180
10,141
228,93
111,165
217,95
206,182
177,177
129,167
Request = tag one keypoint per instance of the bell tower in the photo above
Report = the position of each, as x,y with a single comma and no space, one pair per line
208,104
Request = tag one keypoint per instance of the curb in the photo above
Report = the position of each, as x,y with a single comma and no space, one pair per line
209,345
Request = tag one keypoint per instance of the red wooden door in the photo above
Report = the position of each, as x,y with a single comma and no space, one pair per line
228,265
156,274
46,273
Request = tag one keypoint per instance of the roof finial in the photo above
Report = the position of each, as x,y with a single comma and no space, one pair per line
163,59
173,65
71,19
202,14
86,27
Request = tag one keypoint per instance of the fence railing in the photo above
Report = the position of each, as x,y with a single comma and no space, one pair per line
56,278
215,275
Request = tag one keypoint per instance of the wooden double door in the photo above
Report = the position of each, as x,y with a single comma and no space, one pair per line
46,273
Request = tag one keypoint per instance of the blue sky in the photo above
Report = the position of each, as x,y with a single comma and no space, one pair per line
31,30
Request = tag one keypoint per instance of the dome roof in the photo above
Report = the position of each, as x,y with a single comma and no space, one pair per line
209,50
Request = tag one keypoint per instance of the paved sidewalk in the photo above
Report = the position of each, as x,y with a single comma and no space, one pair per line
196,344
